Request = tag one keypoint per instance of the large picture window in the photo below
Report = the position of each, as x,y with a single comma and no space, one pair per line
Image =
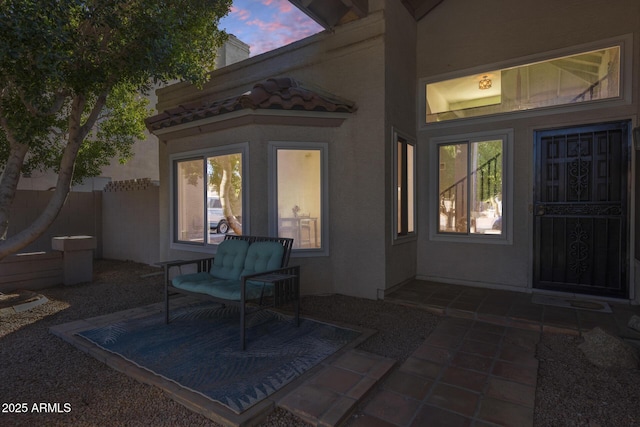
472,187
300,194
208,196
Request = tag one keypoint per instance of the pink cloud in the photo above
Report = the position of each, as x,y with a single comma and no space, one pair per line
241,14
282,5
269,24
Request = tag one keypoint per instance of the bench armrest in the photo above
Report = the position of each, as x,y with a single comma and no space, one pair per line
202,264
292,270
285,282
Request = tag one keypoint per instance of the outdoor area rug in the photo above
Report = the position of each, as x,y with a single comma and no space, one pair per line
199,350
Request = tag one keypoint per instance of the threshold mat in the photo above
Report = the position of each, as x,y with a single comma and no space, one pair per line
599,306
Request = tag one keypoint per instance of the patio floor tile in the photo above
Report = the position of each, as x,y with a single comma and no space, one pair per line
483,336
392,407
366,420
509,391
480,348
505,413
433,416
454,399
471,380
422,368
444,340
409,385
309,401
519,355
518,373
433,354
473,362
563,317
336,379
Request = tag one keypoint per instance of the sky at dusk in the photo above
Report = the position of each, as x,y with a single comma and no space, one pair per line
267,24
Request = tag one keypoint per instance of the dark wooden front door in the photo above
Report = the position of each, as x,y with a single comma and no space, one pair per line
580,209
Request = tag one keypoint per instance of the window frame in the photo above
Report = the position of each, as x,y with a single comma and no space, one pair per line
323,147
203,154
625,43
399,236
506,237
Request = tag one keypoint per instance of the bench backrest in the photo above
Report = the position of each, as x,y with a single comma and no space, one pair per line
286,242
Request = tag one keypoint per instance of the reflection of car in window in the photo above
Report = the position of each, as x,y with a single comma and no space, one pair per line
217,221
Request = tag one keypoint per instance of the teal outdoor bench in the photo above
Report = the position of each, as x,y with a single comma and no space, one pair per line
250,272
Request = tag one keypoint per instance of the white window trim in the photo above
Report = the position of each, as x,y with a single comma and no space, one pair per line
273,192
395,238
626,67
242,148
506,238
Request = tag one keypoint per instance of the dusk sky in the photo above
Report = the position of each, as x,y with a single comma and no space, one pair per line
267,24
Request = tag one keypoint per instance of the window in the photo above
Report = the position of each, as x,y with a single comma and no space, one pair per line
300,200
208,196
584,77
472,187
404,186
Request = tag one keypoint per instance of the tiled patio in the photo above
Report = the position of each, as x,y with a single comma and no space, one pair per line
477,368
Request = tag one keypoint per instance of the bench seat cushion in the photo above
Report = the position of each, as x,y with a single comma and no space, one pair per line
223,289
263,256
230,259
192,279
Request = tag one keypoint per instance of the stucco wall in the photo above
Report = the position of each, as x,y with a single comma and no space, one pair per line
350,64
400,105
460,35
130,225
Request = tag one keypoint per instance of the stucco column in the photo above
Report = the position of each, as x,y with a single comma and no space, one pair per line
77,257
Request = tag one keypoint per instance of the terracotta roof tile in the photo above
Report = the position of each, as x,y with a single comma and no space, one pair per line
281,93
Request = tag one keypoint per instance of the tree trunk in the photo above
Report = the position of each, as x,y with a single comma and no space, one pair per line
9,184
225,196
77,133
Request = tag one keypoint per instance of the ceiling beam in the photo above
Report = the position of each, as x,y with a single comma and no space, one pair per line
425,7
358,7
330,13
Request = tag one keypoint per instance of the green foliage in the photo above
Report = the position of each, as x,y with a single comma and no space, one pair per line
57,52
232,165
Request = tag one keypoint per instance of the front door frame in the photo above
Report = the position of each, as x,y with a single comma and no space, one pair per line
627,287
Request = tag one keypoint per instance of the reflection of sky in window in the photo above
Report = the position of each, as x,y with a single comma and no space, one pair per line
267,24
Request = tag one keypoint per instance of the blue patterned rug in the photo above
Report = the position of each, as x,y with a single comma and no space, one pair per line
199,350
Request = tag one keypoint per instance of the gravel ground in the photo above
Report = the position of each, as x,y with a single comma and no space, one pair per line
38,367
571,391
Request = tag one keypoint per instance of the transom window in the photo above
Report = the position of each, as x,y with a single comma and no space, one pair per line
208,196
584,77
472,187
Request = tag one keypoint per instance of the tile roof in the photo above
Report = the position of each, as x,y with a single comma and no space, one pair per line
283,93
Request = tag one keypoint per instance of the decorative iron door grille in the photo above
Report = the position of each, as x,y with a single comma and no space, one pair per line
580,209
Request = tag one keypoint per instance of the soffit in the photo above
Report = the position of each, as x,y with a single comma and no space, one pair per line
420,8
283,93
331,13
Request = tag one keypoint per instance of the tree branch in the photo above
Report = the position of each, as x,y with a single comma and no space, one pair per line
93,116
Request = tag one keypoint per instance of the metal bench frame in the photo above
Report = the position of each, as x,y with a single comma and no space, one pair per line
285,281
